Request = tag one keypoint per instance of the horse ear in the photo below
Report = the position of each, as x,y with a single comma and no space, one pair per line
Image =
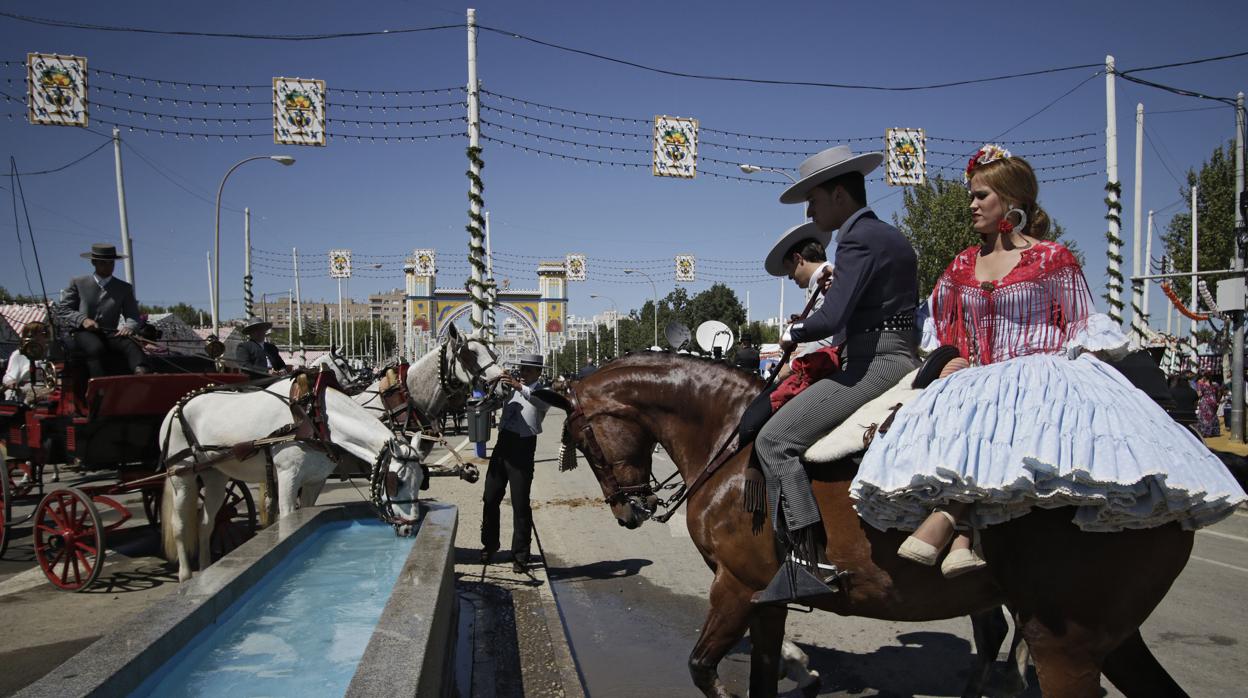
453,333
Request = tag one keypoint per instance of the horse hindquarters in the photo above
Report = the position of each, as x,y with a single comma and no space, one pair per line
1081,597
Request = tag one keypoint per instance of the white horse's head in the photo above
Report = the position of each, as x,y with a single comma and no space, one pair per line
398,493
474,360
337,363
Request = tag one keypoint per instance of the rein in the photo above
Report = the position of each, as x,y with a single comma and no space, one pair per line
728,447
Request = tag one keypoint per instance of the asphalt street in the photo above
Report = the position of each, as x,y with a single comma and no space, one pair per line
631,604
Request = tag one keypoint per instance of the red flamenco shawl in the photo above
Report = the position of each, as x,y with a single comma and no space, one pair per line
1034,309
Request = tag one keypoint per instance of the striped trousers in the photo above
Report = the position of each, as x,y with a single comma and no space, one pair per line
871,364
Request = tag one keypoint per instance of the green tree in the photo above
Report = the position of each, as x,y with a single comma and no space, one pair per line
937,221
1215,209
183,311
715,303
18,298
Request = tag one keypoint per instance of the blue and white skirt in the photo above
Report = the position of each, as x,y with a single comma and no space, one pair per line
1046,431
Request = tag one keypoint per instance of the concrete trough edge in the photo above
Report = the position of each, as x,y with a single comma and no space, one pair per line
119,662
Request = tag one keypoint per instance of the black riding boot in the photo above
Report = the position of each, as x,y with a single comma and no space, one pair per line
805,574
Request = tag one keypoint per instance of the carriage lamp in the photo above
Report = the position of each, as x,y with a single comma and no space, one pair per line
214,348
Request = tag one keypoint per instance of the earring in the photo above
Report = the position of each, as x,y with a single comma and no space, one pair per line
1005,226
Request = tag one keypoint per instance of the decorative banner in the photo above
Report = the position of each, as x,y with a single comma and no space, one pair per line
298,111
686,266
340,264
675,147
575,266
426,262
906,150
56,89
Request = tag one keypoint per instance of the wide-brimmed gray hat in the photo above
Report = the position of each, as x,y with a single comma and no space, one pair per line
792,236
256,322
534,360
102,252
825,165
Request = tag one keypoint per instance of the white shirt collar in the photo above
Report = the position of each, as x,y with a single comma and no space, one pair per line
102,281
814,278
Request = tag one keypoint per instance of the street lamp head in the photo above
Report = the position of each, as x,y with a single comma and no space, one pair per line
629,271
749,169
283,159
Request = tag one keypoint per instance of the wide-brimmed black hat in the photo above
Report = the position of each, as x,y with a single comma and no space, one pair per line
256,322
102,252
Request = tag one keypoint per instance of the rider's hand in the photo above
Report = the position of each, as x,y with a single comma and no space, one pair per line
825,278
124,331
955,364
89,324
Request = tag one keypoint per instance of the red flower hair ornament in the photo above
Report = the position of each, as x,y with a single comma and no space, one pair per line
988,153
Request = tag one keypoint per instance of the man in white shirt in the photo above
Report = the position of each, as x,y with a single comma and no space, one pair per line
511,463
801,255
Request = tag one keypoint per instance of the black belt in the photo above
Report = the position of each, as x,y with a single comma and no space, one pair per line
901,322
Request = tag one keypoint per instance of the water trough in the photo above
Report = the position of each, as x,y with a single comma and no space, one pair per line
410,651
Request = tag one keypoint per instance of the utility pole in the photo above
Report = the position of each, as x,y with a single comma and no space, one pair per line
303,352
212,298
1137,287
1114,249
248,299
1237,316
121,209
476,242
1148,258
1195,306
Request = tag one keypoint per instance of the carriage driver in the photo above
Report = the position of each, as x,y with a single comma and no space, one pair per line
257,355
91,312
871,303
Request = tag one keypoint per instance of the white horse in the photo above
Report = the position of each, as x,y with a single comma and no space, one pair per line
443,373
214,422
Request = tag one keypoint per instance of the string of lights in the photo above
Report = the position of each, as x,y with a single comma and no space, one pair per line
1065,166
1049,154
552,139
547,122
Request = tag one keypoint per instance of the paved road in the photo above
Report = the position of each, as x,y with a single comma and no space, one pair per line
633,602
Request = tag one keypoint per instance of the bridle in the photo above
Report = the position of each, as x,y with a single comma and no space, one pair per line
383,484
451,383
640,496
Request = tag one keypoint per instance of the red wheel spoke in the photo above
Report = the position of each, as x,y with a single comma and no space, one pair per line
82,559
56,515
90,549
46,529
59,554
65,567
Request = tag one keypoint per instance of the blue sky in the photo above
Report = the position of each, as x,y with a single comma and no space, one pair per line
384,199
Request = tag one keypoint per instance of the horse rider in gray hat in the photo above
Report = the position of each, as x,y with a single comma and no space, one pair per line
870,302
91,313
256,355
511,463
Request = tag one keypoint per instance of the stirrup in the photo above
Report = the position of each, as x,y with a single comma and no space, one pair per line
925,553
795,583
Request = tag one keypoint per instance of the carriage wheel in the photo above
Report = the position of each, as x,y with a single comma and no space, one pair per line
69,539
236,520
4,502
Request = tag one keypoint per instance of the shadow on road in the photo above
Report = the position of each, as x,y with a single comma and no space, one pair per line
606,569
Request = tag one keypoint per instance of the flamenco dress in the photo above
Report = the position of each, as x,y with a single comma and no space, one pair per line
1038,420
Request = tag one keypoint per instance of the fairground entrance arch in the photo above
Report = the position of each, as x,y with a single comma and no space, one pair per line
528,320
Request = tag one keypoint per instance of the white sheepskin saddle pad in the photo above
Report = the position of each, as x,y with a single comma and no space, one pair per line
855,434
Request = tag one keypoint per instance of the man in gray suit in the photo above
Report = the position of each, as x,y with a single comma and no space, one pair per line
870,302
91,314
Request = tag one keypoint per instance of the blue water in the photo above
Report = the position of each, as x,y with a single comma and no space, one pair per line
302,630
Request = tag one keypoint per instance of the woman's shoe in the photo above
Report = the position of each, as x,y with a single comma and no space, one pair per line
961,561
925,553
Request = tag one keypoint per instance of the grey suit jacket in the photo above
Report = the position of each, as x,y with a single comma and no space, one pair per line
252,357
83,298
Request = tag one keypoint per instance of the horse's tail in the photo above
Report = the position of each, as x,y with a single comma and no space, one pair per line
190,523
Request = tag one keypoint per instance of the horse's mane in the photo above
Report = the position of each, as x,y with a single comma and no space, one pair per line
747,382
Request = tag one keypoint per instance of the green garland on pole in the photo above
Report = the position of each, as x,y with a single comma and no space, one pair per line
476,238
1113,271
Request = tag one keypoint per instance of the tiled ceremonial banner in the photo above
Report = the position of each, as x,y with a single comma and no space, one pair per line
686,266
56,89
340,264
575,266
426,262
906,156
299,111
675,147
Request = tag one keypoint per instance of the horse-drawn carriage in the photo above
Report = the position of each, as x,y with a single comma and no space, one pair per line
108,426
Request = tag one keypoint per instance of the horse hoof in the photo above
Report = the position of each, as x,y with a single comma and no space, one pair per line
811,689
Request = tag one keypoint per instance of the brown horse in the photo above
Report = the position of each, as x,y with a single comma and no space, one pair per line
1079,598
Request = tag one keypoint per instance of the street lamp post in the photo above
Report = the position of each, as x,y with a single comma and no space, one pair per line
615,322
656,301
751,169
216,247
